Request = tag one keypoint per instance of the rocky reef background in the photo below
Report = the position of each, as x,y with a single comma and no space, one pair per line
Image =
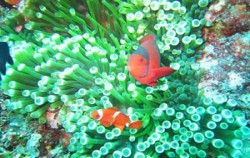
226,55
225,59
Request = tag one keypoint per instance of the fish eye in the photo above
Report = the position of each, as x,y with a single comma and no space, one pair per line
97,115
141,59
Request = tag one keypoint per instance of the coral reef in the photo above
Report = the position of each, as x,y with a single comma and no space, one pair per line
227,52
227,60
234,17
70,58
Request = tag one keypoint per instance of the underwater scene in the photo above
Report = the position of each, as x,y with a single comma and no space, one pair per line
125,79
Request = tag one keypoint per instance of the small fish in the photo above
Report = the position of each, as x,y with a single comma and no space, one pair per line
18,28
12,2
4,57
112,116
144,63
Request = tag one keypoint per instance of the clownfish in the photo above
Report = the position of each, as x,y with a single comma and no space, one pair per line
12,2
144,63
112,116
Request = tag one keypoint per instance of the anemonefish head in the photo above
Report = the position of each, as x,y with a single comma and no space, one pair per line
137,65
97,114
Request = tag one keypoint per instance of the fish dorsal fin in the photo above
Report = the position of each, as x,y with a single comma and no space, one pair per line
107,120
113,108
148,37
109,111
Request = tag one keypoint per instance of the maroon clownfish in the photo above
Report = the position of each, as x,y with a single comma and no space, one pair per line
144,63
112,116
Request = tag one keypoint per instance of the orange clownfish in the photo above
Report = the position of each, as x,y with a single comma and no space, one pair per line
12,2
144,63
112,116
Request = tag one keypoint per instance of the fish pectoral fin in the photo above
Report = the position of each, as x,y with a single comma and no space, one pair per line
150,79
136,124
162,71
107,121
119,127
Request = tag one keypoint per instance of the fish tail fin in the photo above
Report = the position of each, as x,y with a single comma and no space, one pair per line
163,71
136,124
148,37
